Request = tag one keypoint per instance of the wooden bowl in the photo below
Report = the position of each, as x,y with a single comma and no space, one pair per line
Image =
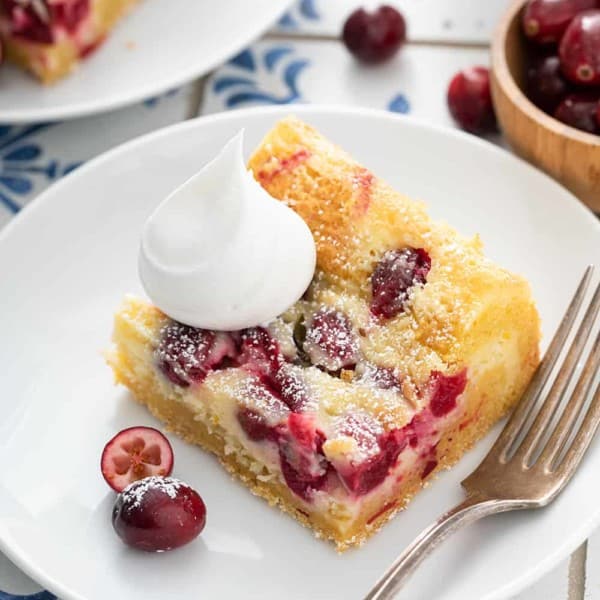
567,154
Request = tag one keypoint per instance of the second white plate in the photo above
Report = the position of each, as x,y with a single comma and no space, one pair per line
159,46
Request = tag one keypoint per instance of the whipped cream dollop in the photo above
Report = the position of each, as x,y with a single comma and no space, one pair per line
221,253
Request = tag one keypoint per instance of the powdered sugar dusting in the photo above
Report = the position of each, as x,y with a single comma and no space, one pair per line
394,277
379,377
330,340
364,430
186,354
182,349
294,390
256,396
133,495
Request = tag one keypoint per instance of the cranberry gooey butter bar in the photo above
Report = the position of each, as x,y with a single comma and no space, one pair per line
50,37
406,348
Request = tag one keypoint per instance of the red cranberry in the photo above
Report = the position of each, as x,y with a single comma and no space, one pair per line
374,36
545,21
546,86
429,467
70,13
360,479
261,356
255,425
383,378
395,274
303,463
30,20
580,49
579,111
363,429
445,390
133,454
330,340
259,351
186,354
470,100
158,513
289,386
35,21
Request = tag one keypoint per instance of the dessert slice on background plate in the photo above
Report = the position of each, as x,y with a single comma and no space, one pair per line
50,37
406,348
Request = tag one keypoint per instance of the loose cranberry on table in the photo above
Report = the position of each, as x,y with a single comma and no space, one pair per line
545,21
546,85
135,453
580,49
470,100
158,513
580,111
376,36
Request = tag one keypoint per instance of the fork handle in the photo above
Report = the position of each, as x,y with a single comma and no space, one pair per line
470,510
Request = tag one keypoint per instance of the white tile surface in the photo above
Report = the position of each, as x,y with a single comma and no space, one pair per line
552,587
592,583
328,74
464,21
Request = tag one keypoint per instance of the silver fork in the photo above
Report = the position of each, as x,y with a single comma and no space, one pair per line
533,459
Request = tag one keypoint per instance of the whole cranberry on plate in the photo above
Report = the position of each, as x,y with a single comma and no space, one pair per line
470,100
135,453
376,36
580,111
580,49
545,21
158,513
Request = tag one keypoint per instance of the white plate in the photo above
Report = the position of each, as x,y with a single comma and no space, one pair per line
66,262
159,46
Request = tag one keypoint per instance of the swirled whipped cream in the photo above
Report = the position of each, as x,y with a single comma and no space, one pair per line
221,253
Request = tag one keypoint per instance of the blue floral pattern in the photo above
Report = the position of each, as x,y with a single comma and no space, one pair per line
38,596
276,67
152,102
399,104
23,164
305,10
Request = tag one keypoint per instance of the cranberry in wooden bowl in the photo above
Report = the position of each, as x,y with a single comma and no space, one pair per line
570,155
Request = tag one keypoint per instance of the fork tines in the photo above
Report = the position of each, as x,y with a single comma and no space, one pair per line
552,439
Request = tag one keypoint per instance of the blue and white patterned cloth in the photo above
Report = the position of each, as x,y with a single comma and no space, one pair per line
303,62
